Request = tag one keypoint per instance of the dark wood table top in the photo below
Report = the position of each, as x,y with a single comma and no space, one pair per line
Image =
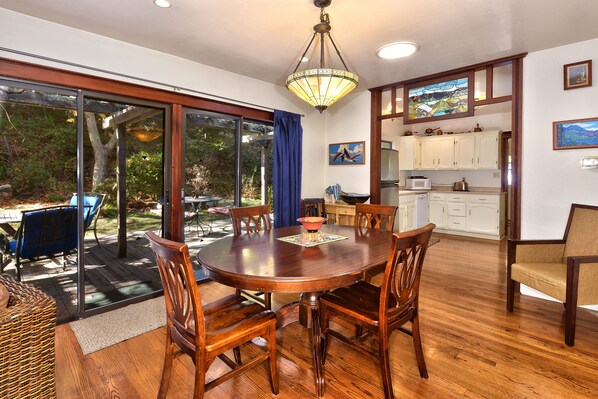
260,262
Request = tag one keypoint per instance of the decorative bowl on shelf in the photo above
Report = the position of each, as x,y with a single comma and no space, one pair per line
352,198
312,223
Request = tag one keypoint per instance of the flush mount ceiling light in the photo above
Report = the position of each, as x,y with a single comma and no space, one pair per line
396,50
322,86
162,3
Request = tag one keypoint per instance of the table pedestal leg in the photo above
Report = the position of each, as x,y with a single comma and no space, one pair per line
310,309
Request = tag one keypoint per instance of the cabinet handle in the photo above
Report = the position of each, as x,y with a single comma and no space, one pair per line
472,160
470,212
482,199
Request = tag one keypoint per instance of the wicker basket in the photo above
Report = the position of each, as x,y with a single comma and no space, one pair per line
27,343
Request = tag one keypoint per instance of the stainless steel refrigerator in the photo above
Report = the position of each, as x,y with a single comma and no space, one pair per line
389,169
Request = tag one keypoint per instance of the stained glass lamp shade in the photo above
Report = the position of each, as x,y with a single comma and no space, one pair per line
322,87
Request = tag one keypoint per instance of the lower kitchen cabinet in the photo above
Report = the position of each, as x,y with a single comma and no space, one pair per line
484,214
406,213
437,212
477,215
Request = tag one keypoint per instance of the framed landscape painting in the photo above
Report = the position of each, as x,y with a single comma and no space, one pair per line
346,153
573,134
578,74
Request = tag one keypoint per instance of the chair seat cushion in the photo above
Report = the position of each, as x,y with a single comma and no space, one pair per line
231,316
548,278
220,210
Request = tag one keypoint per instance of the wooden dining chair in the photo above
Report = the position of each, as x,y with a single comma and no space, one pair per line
381,310
313,207
375,216
252,219
205,332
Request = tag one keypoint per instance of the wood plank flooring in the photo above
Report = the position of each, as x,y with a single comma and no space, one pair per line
473,347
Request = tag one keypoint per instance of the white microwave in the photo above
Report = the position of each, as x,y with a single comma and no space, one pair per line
418,184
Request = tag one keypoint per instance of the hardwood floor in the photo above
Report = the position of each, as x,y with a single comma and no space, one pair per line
473,348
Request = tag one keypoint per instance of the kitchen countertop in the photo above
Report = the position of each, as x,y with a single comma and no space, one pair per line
449,189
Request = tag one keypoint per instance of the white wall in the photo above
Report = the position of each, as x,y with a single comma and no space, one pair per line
552,180
349,120
36,36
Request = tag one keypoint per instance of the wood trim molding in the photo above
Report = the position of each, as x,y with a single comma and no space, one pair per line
375,147
516,148
54,76
481,65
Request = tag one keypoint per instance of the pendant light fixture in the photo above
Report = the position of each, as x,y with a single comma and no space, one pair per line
322,86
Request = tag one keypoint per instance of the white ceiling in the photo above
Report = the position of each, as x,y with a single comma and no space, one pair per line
264,38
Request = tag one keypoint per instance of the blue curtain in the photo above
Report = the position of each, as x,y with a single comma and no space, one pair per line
288,138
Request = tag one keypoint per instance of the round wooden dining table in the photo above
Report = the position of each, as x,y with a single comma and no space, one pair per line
261,262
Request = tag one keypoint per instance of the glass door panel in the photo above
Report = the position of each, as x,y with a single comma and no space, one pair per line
210,177
123,164
256,173
38,176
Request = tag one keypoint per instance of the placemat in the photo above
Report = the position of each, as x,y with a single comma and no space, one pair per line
322,238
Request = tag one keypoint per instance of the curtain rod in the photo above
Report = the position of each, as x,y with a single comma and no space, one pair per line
123,75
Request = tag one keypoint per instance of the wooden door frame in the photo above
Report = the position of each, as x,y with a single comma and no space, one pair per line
516,126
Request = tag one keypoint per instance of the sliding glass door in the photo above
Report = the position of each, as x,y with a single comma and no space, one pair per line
81,181
123,146
38,174
227,162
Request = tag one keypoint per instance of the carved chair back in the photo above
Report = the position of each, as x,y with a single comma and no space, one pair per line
184,312
250,218
375,216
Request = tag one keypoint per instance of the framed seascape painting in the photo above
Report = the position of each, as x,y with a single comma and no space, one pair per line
578,74
439,99
352,153
572,134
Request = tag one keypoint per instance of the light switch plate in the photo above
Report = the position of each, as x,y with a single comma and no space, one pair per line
589,162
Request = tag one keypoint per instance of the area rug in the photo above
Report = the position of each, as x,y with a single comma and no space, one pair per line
106,329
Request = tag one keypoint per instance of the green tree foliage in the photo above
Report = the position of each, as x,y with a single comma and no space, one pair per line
144,175
38,149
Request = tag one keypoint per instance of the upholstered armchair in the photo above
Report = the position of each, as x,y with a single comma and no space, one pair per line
566,269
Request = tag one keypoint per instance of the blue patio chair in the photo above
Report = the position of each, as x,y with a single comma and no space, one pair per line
44,234
93,203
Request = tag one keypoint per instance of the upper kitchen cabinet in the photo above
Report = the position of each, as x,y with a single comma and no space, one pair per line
465,151
409,152
487,150
437,152
469,151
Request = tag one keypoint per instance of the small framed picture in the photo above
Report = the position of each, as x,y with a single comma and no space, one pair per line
574,134
346,153
578,74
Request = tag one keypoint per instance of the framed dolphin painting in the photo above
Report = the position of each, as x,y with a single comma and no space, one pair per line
352,153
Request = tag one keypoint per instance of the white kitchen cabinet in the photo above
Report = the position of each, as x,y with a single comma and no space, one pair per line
406,212
465,151
409,153
487,150
480,150
427,154
437,152
484,214
437,213
456,212
470,214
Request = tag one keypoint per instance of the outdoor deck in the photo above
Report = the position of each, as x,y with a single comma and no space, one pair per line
109,279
